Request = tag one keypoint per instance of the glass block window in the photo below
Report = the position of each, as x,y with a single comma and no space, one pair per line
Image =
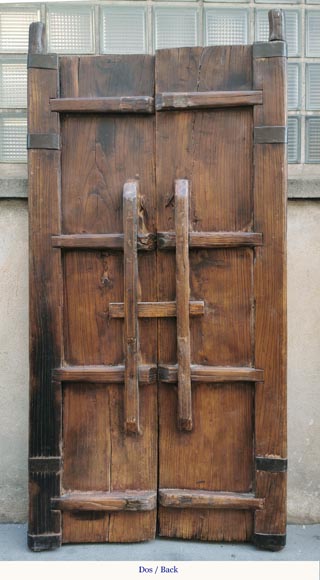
70,29
13,82
123,30
14,27
313,140
293,29
13,138
174,27
313,86
226,26
312,33
294,88
293,140
143,26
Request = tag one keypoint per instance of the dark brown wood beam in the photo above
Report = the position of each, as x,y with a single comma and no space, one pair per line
167,240
156,309
211,374
202,499
135,104
146,242
207,100
103,374
113,501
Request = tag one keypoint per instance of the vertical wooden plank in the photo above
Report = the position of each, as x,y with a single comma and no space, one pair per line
183,298
221,199
45,305
270,170
99,154
130,256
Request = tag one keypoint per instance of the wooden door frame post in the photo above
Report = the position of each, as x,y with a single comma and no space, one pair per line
45,273
270,195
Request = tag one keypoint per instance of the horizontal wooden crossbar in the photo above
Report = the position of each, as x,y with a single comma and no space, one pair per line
207,100
133,104
201,499
146,242
103,374
162,240
167,240
113,501
148,374
156,309
211,374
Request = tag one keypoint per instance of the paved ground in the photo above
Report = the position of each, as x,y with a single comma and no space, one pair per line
303,543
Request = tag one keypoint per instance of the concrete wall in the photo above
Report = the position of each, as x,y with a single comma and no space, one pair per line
303,375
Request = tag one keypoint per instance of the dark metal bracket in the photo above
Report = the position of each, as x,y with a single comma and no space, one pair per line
273,464
270,134
43,141
49,61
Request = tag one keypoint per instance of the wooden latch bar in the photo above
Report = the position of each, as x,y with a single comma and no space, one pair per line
156,309
183,298
130,248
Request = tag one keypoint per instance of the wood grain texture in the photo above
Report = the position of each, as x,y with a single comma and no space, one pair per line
182,299
134,104
202,499
45,279
145,242
221,201
270,292
131,338
276,25
200,524
103,374
211,374
98,456
207,100
107,502
157,309
167,240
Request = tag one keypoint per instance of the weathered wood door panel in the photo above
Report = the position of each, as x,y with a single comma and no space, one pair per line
157,230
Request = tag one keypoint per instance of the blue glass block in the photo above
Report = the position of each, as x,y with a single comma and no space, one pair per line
294,92
226,26
312,33
14,27
70,29
313,140
123,30
313,87
13,138
293,140
13,82
175,27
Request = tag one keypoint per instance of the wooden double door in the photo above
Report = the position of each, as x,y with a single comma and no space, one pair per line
157,265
